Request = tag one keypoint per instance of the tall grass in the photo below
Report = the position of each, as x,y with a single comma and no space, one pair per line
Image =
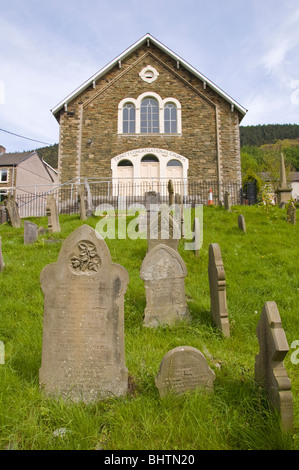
260,265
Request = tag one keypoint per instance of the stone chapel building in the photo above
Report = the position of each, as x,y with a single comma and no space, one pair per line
149,116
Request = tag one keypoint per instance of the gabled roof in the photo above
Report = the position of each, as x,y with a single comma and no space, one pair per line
129,51
13,159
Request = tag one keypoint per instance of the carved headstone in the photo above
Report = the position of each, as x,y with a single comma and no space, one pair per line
241,223
83,354
52,213
13,212
164,229
184,369
218,289
270,371
81,197
2,264
163,272
30,232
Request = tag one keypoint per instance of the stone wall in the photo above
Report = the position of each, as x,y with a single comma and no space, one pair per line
210,129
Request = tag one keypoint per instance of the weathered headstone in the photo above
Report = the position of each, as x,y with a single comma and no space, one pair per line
241,223
164,229
227,201
196,236
81,197
3,214
12,211
184,369
291,213
170,192
30,232
2,264
52,213
283,192
83,354
163,272
270,371
218,289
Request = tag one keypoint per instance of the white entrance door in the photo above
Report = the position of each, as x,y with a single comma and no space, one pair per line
149,173
125,177
174,172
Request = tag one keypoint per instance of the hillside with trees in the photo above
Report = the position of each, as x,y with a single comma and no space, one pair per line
267,133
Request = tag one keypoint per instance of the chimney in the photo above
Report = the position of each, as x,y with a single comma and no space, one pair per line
2,150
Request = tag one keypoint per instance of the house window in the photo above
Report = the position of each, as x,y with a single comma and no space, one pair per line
3,176
170,118
149,116
129,118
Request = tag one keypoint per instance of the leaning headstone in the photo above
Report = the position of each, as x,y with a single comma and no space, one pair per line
270,371
241,223
184,369
83,354
52,213
227,201
1,257
218,289
164,229
13,212
30,232
163,272
81,197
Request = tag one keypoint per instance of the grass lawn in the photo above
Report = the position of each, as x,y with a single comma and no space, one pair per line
260,265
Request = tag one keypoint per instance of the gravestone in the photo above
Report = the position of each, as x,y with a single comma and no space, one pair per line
196,236
152,201
184,369
163,272
3,215
83,354
89,210
270,371
227,201
164,229
12,211
241,223
170,192
52,213
81,198
2,264
218,289
179,211
30,232
291,213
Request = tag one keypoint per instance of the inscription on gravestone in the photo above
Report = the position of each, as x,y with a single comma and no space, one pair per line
270,371
164,229
218,289
184,369
83,356
163,272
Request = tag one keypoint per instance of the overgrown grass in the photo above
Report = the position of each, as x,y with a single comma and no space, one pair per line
260,265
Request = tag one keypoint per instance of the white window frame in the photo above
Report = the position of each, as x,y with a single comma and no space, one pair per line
137,104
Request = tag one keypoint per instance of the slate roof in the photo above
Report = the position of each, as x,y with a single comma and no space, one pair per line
13,159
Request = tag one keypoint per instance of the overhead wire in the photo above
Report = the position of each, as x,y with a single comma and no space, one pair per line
23,137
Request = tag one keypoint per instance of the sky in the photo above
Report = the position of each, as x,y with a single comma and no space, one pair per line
248,48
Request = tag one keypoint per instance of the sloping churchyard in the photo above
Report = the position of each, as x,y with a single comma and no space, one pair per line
260,266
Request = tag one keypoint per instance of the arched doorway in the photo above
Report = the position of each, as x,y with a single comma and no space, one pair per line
149,173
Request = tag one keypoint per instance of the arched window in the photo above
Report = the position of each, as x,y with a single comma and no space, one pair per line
129,118
149,116
149,158
125,163
170,118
